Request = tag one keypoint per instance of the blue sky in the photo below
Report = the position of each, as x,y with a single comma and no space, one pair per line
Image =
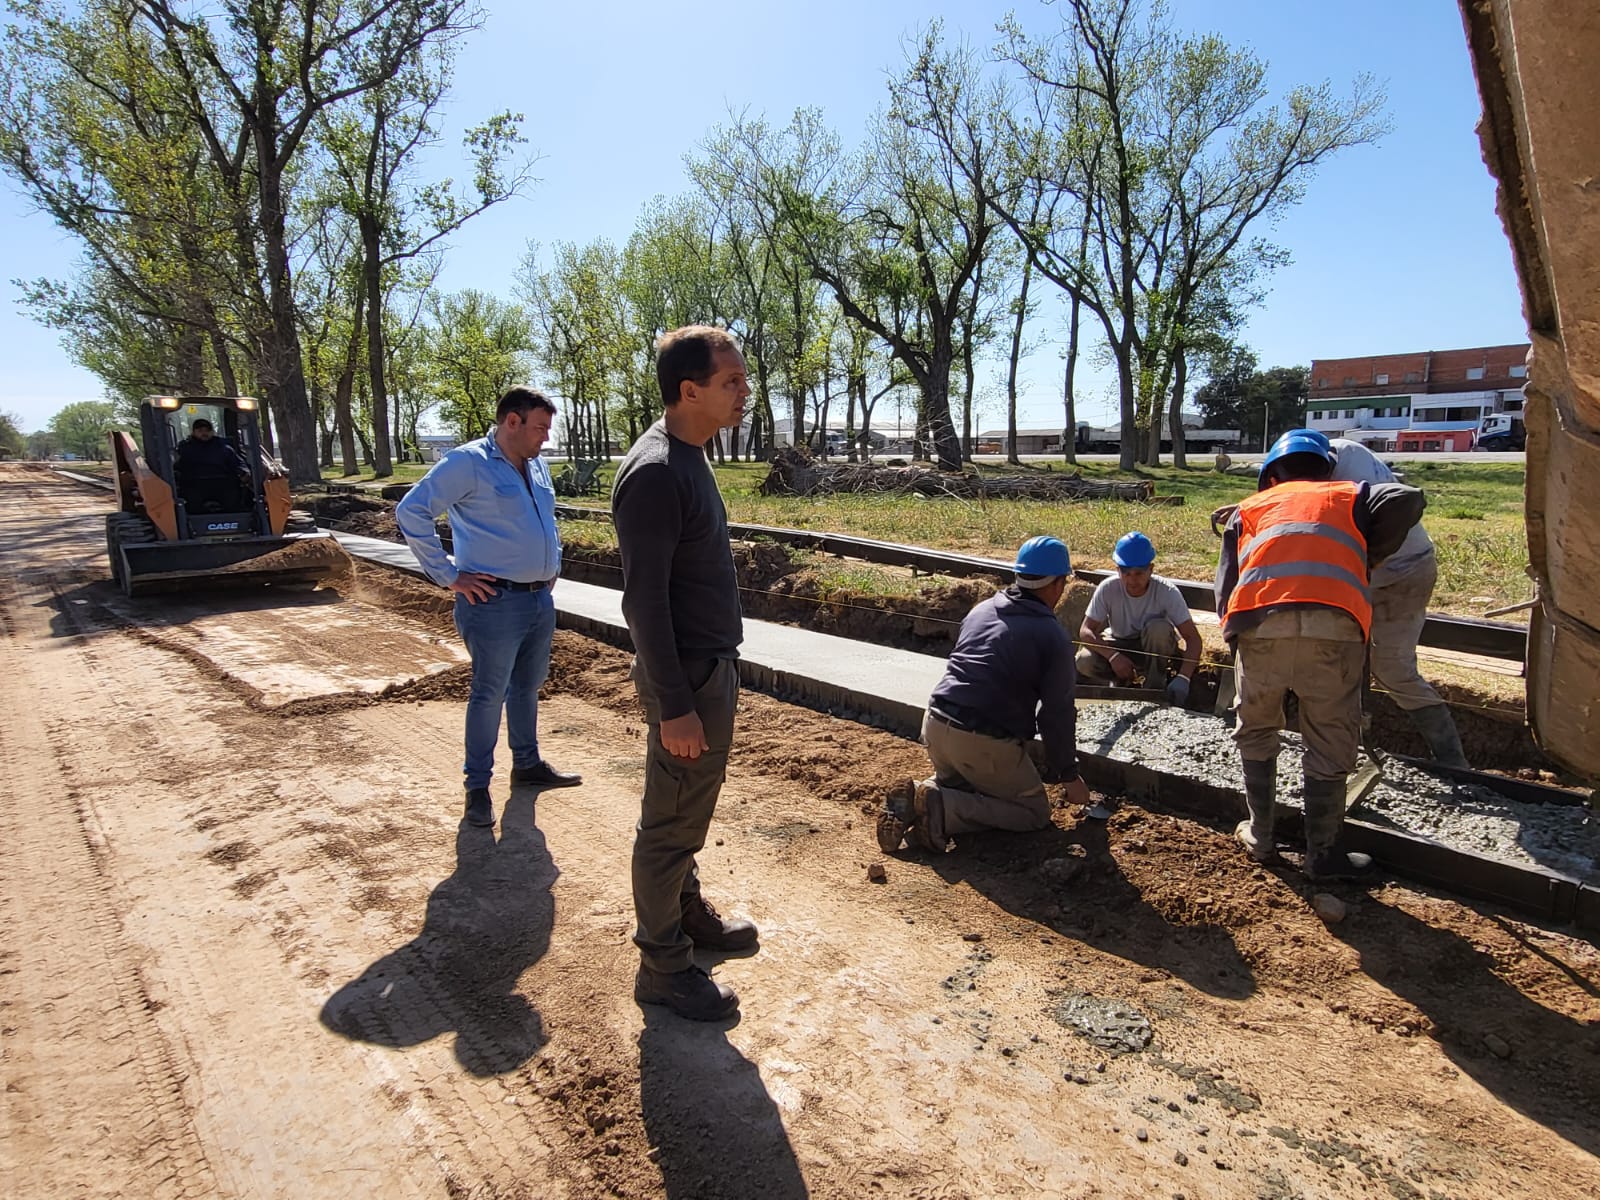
1397,247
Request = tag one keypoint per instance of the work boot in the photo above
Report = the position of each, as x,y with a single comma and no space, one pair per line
480,809
542,774
690,993
709,931
897,816
1438,729
929,827
1324,818
1260,796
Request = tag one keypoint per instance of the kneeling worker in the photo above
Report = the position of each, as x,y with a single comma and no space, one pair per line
1009,676
1292,591
1133,625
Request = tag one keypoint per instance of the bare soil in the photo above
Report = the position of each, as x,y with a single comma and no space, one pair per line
250,950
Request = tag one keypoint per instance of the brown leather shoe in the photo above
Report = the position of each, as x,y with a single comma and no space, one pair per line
709,931
690,993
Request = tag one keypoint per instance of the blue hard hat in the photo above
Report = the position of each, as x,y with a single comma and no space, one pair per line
1297,441
1044,556
1133,550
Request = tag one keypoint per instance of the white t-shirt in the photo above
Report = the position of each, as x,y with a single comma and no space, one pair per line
1357,464
1125,616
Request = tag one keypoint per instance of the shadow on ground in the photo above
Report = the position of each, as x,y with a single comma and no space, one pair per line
707,1111
1551,1069
1100,907
485,925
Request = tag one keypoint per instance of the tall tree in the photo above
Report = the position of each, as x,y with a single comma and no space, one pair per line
897,231
477,346
374,140
1239,395
1165,149
13,442
256,76
81,428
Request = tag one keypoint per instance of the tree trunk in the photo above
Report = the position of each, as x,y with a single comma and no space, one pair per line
1180,377
342,419
372,272
1069,387
941,430
1011,369
224,361
282,371
966,399
1128,442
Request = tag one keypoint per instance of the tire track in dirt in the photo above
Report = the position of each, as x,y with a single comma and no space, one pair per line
168,1154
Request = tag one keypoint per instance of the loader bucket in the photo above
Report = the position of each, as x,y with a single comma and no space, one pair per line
299,560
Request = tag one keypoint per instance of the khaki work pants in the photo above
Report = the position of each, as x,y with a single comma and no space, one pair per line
981,782
680,796
1152,649
1398,611
1318,654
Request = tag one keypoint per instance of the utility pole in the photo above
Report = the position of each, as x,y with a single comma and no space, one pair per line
1266,421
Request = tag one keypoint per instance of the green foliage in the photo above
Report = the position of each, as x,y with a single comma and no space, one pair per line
81,428
1239,396
13,444
476,346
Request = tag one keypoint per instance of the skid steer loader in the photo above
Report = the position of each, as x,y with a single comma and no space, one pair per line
177,529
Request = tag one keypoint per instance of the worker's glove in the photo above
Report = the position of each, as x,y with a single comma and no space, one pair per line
1178,691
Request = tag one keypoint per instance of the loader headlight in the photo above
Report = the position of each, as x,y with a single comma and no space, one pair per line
244,402
165,401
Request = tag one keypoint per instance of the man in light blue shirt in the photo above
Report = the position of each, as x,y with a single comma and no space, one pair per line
501,505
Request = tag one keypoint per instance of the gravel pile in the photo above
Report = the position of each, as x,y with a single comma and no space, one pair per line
1463,816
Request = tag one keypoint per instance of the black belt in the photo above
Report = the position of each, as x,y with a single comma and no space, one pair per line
511,585
977,727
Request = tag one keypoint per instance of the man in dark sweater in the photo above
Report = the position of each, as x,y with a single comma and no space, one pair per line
1011,674
680,596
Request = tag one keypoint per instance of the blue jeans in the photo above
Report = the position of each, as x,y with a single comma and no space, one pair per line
508,638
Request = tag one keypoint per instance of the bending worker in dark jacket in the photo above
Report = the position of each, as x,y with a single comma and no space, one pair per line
1292,592
1010,675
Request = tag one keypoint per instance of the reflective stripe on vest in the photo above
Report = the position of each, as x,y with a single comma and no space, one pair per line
1299,544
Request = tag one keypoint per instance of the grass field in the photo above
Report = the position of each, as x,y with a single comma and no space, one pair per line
1474,516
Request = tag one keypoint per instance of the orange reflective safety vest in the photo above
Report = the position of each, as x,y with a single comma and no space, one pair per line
1298,544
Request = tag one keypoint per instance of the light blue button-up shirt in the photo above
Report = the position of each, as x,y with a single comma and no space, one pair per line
499,524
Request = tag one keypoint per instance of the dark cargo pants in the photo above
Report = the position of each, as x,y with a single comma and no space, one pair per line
680,796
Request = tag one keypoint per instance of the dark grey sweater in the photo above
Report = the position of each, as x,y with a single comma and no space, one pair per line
680,593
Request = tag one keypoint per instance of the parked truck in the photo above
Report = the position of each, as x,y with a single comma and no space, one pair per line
1502,431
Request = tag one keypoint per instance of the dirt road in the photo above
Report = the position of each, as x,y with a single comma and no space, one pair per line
246,949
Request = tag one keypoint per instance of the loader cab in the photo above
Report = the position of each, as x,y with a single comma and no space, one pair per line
216,481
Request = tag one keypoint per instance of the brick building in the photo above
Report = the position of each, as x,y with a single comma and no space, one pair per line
1431,400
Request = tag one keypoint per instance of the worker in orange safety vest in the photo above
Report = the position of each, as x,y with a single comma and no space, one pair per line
1292,593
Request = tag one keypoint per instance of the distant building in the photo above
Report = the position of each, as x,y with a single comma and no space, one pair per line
432,446
1093,439
1432,400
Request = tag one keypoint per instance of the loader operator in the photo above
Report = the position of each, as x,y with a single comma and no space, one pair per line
1010,675
507,555
209,472
1292,592
1133,624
